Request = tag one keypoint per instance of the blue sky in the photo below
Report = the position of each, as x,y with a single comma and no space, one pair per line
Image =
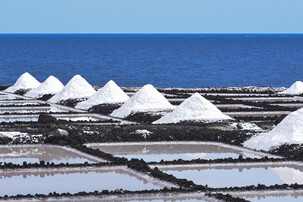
151,16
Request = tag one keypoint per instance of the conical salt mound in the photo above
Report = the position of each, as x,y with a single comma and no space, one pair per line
50,86
111,93
147,99
76,88
25,81
195,108
288,131
294,89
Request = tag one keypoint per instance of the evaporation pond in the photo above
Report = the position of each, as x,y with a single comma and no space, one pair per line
293,196
35,154
18,103
170,151
73,180
26,119
23,111
145,198
230,176
84,118
7,97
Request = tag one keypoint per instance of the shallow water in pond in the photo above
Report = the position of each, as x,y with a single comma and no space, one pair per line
21,111
168,200
8,97
34,119
18,103
84,118
289,197
276,199
7,120
18,155
72,182
239,176
171,151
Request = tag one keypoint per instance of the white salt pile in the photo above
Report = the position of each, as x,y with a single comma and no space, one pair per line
289,131
111,93
195,108
50,86
76,88
25,81
294,89
147,99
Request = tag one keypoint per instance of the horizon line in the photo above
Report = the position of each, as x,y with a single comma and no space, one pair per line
156,33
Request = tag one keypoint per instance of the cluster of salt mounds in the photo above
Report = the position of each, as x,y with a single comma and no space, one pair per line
111,93
195,108
25,81
289,131
76,88
147,99
294,89
50,86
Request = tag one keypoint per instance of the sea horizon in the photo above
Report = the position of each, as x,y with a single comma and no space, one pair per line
163,60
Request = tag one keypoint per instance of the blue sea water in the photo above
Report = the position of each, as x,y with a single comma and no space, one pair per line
162,60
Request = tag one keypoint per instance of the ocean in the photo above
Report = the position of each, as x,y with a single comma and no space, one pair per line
188,61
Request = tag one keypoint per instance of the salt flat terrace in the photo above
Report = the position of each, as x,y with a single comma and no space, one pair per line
17,154
240,174
168,151
256,114
74,180
91,178
270,99
178,197
68,117
277,196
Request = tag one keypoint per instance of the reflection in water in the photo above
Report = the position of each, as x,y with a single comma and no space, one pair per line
157,152
22,111
84,118
239,176
72,182
5,103
170,200
281,196
7,120
276,199
35,154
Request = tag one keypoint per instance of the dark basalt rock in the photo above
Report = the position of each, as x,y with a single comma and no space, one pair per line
71,102
293,151
3,87
45,118
143,117
104,108
22,91
46,97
